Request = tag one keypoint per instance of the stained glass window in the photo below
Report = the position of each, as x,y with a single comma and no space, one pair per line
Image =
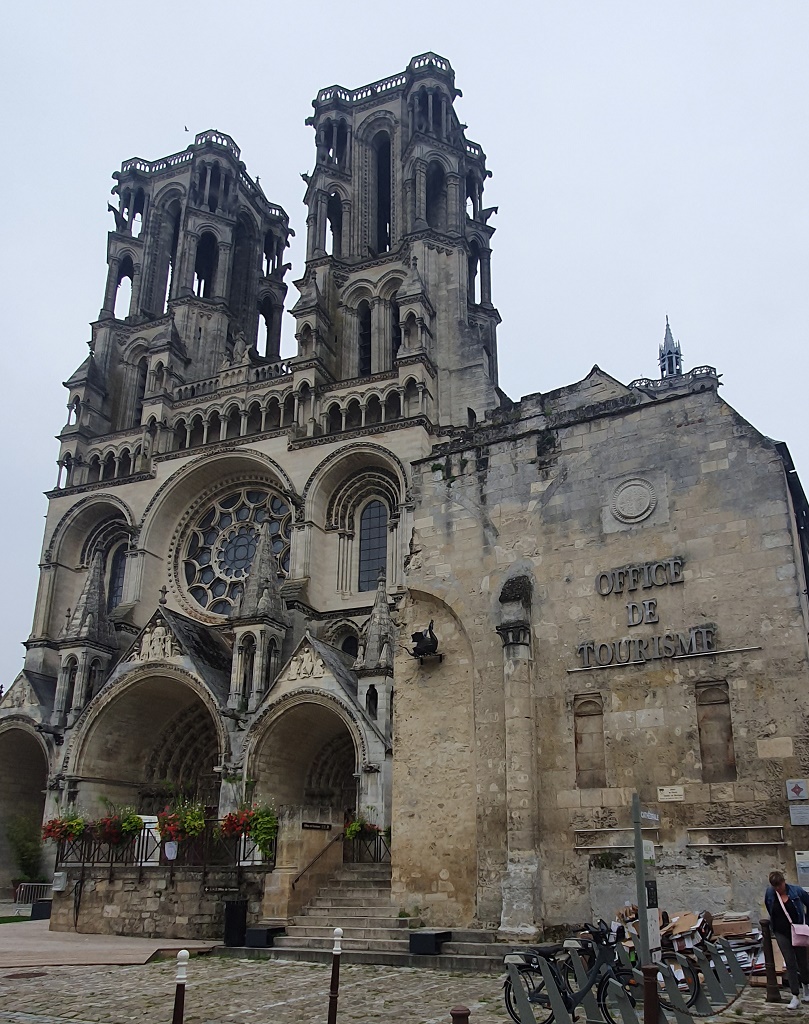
373,544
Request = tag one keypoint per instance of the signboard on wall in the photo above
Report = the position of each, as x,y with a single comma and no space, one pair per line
797,789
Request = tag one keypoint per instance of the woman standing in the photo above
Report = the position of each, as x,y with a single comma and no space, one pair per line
787,904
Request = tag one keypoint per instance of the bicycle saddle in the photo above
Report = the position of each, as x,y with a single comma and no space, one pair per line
549,950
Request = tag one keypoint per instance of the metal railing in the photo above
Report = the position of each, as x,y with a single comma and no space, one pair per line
29,892
210,849
371,848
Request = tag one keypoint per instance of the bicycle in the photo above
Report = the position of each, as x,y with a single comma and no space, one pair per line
602,968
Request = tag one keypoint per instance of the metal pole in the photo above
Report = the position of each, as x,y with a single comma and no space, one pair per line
334,988
651,995
179,991
640,882
773,988
459,1014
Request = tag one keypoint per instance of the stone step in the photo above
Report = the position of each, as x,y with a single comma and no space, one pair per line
349,932
355,891
350,901
327,911
343,921
326,942
474,948
375,870
455,964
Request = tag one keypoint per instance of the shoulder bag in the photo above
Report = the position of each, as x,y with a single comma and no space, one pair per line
800,932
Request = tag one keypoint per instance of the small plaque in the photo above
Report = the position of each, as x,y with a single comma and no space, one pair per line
797,789
799,814
802,864
650,816
670,794
321,826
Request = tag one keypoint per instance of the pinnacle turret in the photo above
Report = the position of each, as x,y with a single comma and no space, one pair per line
89,620
671,359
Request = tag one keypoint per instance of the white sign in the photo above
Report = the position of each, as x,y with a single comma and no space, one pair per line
799,814
802,864
650,816
670,793
797,789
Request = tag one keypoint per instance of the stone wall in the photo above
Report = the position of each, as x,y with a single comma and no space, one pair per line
540,496
154,902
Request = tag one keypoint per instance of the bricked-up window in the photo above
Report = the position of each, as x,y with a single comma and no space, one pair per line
715,733
588,718
373,544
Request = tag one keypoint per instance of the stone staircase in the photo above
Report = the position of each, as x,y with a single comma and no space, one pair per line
358,900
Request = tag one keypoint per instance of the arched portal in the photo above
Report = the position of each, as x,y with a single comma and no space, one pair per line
23,780
307,758
156,737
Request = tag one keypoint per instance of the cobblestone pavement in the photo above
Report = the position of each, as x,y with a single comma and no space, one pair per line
277,992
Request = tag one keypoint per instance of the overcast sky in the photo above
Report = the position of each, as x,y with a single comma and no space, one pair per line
648,158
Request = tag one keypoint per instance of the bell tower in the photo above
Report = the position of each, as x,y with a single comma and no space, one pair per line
398,271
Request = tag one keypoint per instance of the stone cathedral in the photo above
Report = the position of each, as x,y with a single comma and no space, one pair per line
612,577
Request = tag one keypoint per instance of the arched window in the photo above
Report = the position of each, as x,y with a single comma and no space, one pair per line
115,587
205,266
334,215
372,701
436,197
473,292
350,646
213,190
70,690
248,663
269,337
140,391
96,677
123,288
364,340
166,262
373,544
242,273
137,213
381,234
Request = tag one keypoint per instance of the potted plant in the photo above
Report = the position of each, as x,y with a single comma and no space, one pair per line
361,827
183,820
258,821
117,827
68,826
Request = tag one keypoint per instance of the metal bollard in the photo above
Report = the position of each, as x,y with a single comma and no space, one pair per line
651,995
334,988
773,988
459,1014
179,991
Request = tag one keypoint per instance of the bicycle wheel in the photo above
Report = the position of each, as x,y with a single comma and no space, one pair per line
533,985
607,999
687,980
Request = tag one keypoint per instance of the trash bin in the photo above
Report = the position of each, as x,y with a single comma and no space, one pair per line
41,910
235,922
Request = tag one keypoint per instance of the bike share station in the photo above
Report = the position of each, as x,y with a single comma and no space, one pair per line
615,990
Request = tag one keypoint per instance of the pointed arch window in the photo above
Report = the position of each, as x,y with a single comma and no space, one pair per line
115,588
140,391
373,544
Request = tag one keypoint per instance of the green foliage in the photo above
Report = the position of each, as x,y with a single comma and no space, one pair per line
264,828
24,835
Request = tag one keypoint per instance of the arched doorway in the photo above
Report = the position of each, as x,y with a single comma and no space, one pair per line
155,738
23,781
306,760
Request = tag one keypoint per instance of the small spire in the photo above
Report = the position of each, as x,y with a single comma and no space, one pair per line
262,595
378,646
671,359
89,620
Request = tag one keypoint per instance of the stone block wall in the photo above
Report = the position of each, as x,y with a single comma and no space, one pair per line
153,902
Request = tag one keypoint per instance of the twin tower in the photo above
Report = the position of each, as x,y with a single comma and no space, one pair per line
397,278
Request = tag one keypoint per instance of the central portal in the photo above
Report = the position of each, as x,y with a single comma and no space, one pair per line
307,760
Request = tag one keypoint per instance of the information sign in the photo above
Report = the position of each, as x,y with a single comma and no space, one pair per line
802,865
799,814
670,793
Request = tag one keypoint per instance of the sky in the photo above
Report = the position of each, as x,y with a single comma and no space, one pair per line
648,158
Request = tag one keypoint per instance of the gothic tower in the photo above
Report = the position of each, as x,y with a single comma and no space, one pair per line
398,273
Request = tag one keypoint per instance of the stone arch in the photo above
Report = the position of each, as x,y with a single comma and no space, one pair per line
154,720
23,783
306,749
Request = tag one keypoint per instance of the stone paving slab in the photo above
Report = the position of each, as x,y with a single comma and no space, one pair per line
32,944
227,991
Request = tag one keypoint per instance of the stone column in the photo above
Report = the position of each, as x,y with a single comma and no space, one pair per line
380,345
190,259
454,203
421,196
520,896
108,309
223,268
137,288
320,236
486,277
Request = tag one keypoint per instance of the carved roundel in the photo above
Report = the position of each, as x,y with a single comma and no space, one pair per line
633,500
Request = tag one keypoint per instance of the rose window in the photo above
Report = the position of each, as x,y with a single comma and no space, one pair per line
222,543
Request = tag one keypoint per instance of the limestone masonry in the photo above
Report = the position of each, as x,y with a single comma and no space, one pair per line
609,579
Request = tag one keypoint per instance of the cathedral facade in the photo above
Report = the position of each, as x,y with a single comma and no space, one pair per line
607,582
